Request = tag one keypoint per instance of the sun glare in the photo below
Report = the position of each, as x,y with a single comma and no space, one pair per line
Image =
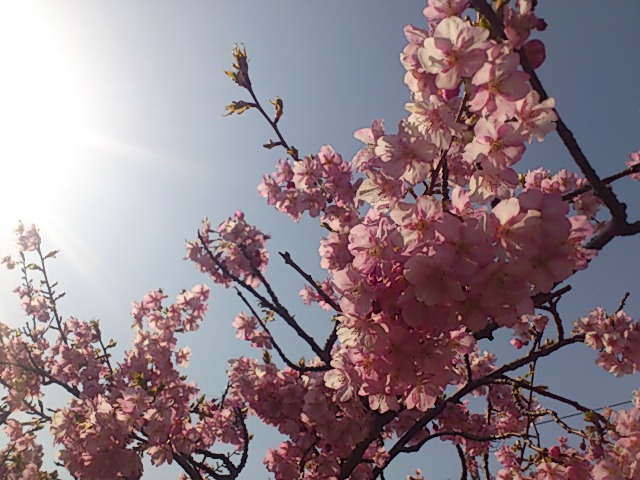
41,118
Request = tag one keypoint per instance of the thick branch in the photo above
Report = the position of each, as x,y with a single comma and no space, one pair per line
463,462
379,422
189,469
615,228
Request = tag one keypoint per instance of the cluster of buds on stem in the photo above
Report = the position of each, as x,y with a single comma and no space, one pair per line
240,69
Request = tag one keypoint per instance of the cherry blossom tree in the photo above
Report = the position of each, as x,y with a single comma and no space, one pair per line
434,242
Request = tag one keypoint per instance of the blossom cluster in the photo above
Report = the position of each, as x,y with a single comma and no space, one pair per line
237,249
117,412
317,184
435,241
615,337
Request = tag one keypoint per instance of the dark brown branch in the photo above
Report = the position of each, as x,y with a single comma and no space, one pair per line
52,299
48,377
245,438
553,310
615,228
189,469
542,298
290,149
617,209
442,163
233,470
463,463
331,340
277,347
607,180
284,313
432,413
465,435
289,261
278,308
622,302
379,422
485,461
104,349
487,331
546,393
532,370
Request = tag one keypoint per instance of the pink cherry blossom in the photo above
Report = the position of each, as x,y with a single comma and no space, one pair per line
635,160
499,83
27,238
441,9
436,247
456,50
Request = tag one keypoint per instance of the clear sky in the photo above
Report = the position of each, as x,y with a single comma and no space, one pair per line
112,141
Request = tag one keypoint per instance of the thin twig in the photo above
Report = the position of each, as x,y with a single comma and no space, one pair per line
279,309
52,300
607,180
289,261
622,302
546,393
277,347
290,149
463,462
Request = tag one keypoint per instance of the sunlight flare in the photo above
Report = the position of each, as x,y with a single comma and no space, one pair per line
41,118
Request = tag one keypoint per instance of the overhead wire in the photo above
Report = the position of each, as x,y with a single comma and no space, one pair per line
571,415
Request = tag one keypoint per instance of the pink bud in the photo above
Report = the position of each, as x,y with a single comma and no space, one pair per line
449,94
597,450
542,25
536,52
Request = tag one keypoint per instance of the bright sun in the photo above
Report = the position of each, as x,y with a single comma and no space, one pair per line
41,118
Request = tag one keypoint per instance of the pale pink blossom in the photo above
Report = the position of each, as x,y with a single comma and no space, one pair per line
441,9
635,160
536,118
27,238
456,50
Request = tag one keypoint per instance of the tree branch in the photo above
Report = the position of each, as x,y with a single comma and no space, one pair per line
617,209
432,413
277,347
278,308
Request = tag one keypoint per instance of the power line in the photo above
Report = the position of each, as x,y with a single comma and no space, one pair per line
581,413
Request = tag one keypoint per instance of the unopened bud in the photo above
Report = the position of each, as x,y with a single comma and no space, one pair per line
279,107
241,67
238,107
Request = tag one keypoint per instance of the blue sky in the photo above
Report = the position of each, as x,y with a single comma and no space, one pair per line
153,154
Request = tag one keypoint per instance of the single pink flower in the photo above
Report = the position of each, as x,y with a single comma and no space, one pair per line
635,160
456,50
